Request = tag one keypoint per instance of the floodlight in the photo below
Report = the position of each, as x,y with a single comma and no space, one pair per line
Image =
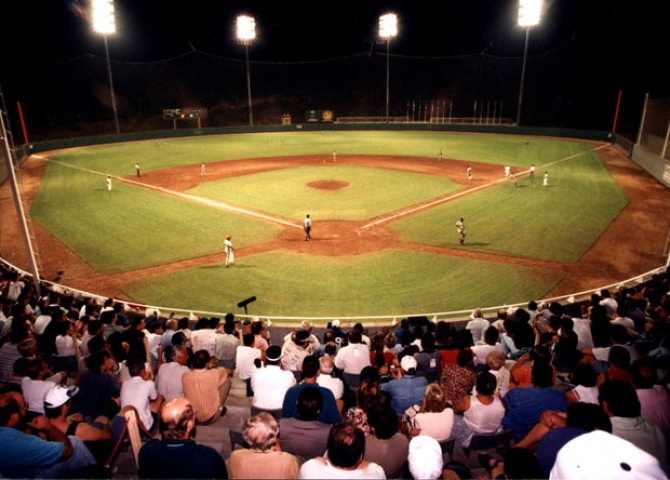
529,12
103,16
103,22
246,29
388,26
246,33
529,16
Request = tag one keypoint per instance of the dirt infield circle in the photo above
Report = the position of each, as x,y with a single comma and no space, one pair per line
328,184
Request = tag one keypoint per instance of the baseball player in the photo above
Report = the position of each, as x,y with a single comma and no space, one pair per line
460,227
307,226
228,250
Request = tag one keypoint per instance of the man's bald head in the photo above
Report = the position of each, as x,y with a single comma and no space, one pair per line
177,419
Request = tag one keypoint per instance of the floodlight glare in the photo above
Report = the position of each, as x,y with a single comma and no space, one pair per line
388,26
103,16
529,12
246,28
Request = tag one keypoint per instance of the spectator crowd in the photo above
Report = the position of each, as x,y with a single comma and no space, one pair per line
581,389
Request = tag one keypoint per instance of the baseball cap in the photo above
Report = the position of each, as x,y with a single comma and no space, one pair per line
407,363
601,455
273,353
335,323
59,395
425,457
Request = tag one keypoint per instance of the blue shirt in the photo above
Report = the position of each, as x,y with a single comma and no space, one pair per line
329,412
405,392
21,454
525,405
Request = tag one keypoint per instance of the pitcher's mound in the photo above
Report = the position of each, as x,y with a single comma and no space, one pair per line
328,184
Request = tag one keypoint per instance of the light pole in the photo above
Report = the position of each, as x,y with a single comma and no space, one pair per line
529,16
246,33
103,22
388,28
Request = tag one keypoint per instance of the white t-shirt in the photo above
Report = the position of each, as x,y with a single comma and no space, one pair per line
244,361
270,385
316,468
139,393
353,358
168,380
435,425
34,392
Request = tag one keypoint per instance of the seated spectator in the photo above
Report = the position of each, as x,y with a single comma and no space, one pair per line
519,463
176,454
428,361
584,379
386,446
483,412
52,454
140,393
352,358
227,343
555,429
380,356
294,351
246,358
204,336
330,411
458,380
477,326
495,363
490,343
314,342
525,405
566,357
327,379
620,402
618,361
271,382
68,350
432,417
99,388
206,386
654,398
368,396
169,378
304,435
264,458
35,385
96,435
408,347
346,446
406,389
521,372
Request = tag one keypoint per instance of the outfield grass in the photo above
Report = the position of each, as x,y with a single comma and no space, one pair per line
132,228
370,192
390,282
557,223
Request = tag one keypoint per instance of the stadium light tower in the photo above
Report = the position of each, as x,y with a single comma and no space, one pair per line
529,16
246,33
103,22
388,28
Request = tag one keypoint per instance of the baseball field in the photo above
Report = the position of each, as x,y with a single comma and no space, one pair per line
383,242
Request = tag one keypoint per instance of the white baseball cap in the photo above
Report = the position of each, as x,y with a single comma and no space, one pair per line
59,395
425,457
601,455
407,363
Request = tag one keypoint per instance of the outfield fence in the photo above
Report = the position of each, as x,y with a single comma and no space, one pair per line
368,321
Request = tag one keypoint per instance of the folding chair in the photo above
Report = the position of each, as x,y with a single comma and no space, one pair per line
447,447
482,441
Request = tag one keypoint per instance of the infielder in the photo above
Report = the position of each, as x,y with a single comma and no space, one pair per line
439,155
228,250
203,170
109,183
532,172
137,169
507,170
545,179
460,227
334,156
307,226
469,171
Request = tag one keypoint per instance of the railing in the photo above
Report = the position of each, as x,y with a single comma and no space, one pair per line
368,321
